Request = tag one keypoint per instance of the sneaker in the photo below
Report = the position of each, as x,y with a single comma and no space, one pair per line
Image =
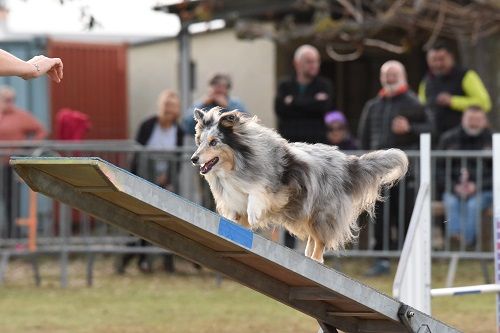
379,268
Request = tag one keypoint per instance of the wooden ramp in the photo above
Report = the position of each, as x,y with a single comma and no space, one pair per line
117,197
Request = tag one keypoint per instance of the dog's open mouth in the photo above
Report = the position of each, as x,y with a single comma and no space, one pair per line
206,167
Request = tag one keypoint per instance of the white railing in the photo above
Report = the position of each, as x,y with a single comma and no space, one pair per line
496,215
412,281
413,276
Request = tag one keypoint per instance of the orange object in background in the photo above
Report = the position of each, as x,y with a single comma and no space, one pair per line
31,221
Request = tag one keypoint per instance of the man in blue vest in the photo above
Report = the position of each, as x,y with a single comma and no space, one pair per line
448,90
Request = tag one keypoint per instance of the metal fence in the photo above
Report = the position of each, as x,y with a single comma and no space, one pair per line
61,230
395,220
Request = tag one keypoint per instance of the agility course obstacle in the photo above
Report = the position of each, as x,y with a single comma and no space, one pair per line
117,197
412,283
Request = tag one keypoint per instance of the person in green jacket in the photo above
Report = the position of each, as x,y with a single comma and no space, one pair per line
448,90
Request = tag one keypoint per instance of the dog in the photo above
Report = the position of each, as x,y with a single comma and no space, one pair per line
315,191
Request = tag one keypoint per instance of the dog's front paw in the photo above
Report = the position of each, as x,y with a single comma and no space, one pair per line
254,228
253,220
320,260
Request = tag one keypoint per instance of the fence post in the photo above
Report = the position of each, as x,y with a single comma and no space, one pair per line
64,232
496,217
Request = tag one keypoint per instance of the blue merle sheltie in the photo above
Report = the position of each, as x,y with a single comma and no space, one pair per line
313,190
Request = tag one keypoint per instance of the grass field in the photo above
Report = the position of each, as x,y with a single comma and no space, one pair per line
190,301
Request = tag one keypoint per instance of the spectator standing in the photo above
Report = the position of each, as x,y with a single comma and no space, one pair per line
465,200
301,103
338,131
394,118
447,89
161,132
218,94
15,125
303,99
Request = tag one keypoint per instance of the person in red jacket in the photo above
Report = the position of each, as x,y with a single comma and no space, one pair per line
15,125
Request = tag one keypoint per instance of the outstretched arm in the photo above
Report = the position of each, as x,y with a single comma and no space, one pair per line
10,65
475,94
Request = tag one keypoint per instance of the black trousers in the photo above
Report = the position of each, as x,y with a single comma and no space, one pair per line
387,228
144,260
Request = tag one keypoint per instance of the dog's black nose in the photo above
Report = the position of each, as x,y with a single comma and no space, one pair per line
194,159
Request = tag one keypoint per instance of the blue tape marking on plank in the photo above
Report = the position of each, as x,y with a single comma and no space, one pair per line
236,233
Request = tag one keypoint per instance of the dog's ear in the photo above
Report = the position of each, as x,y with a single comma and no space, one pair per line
229,119
198,114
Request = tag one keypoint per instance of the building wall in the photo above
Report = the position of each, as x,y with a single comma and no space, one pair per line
95,77
251,64
151,68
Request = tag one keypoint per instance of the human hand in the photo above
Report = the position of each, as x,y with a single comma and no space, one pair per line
460,191
288,99
220,100
53,67
400,125
470,188
465,190
321,96
443,99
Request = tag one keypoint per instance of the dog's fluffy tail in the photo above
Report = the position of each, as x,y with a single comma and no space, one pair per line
386,167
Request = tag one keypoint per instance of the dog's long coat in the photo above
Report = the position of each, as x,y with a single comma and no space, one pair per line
315,191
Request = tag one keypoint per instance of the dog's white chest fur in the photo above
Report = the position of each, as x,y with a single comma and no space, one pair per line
231,192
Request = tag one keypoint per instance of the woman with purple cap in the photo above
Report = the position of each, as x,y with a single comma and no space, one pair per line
338,131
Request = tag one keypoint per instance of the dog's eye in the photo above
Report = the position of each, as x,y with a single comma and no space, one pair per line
230,117
212,142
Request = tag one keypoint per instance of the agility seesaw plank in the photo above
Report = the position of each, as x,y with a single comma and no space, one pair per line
172,222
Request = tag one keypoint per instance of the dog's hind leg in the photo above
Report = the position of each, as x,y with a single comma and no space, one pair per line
319,249
309,247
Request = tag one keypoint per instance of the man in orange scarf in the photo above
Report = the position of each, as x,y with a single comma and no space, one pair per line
393,119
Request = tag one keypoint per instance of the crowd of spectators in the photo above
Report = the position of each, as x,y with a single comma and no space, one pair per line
451,104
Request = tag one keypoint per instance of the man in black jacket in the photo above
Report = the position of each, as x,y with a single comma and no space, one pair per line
464,200
395,118
303,100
